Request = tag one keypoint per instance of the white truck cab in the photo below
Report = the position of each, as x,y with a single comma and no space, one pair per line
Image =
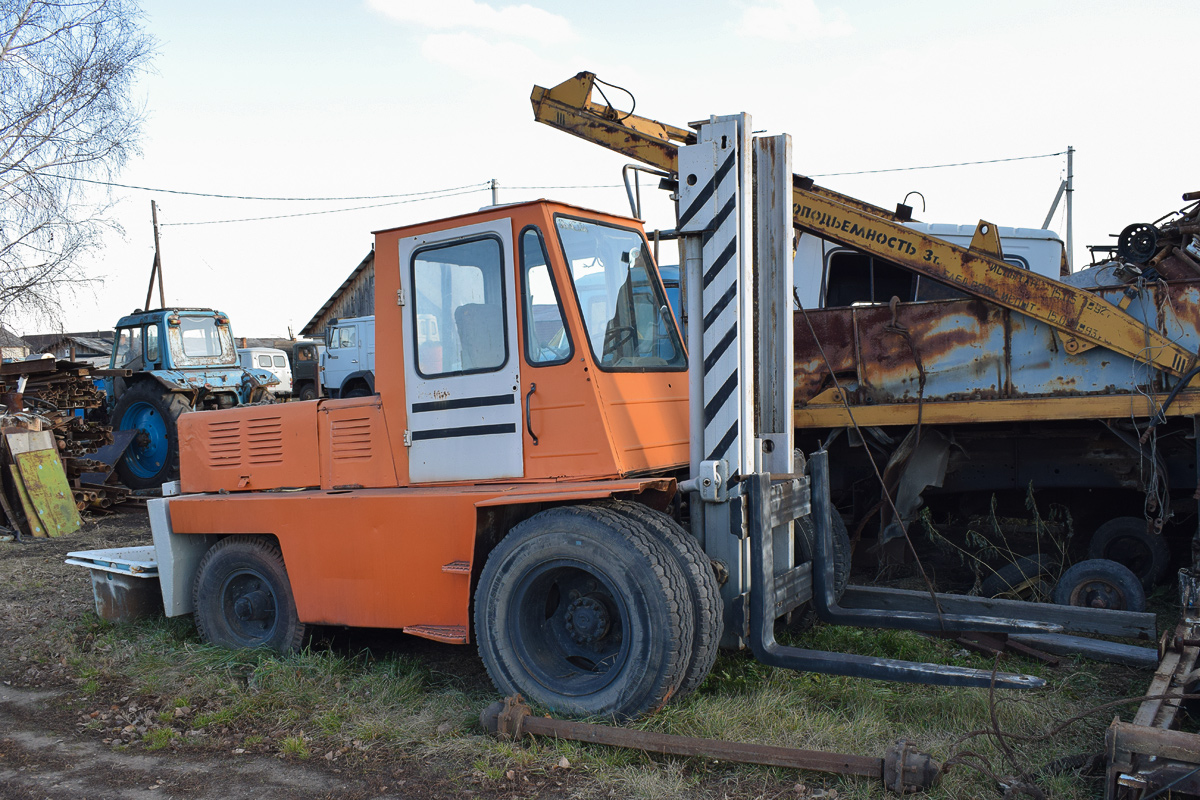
830,275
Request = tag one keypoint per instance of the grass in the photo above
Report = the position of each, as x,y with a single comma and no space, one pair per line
424,705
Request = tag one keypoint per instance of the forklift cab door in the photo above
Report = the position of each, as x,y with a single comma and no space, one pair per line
461,360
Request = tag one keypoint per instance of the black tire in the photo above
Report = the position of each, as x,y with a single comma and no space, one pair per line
806,548
243,597
309,392
1127,541
703,589
1100,583
1028,578
583,611
152,458
357,390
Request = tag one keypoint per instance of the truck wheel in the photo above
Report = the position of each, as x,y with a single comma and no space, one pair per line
1100,583
357,390
1027,578
152,458
243,597
1126,541
806,548
581,610
703,590
309,392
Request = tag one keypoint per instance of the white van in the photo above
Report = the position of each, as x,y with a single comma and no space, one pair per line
275,361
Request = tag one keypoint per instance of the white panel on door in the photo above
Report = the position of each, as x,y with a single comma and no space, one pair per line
461,360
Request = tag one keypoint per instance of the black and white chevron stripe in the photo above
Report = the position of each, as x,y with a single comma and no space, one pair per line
711,207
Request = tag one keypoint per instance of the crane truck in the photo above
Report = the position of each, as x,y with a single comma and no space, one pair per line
520,485
964,370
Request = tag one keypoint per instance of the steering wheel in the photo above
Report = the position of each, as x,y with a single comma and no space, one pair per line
618,336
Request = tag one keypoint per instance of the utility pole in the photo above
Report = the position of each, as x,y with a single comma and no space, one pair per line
495,191
1070,190
156,267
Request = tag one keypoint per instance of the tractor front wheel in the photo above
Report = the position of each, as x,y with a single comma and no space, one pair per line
152,412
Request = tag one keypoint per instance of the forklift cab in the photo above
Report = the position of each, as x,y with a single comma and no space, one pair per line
538,343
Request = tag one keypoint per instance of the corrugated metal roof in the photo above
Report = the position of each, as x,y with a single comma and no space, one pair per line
368,262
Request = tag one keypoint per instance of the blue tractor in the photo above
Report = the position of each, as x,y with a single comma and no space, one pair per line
178,360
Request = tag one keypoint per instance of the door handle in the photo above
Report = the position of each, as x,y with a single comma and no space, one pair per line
528,420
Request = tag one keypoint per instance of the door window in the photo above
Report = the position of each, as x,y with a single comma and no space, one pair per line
459,312
129,349
546,338
151,343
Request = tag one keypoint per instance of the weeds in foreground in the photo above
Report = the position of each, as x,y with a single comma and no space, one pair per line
411,700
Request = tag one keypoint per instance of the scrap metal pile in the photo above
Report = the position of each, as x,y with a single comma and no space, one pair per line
63,397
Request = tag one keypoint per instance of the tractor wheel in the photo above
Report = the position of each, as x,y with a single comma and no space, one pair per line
1100,583
243,597
583,611
1127,541
152,458
703,590
1028,578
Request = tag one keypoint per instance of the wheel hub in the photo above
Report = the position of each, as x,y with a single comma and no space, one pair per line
255,605
587,619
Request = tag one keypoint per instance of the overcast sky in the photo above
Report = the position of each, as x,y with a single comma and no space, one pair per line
310,98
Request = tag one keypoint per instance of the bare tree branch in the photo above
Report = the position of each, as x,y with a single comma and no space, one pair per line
67,68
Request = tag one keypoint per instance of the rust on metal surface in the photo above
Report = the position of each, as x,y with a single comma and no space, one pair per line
903,769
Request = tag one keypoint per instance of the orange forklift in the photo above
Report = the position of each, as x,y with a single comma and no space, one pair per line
548,471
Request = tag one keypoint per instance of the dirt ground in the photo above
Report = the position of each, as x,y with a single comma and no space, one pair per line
46,751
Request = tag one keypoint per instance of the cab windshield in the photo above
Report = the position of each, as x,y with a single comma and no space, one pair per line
629,324
201,341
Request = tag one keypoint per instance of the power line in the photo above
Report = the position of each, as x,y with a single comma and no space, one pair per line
253,197
575,186
481,188
937,166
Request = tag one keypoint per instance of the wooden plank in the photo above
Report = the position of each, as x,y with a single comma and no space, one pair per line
1148,710
19,443
31,517
49,492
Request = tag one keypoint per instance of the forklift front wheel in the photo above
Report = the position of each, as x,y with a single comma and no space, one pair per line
243,598
581,610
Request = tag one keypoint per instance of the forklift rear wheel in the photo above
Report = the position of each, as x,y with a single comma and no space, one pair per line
1100,583
243,598
583,611
152,458
703,589
1127,541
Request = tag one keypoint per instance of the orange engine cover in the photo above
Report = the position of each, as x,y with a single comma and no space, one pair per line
253,447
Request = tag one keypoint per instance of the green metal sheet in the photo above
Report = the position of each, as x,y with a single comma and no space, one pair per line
49,493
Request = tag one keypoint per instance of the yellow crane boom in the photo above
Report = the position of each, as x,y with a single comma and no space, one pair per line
1081,319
